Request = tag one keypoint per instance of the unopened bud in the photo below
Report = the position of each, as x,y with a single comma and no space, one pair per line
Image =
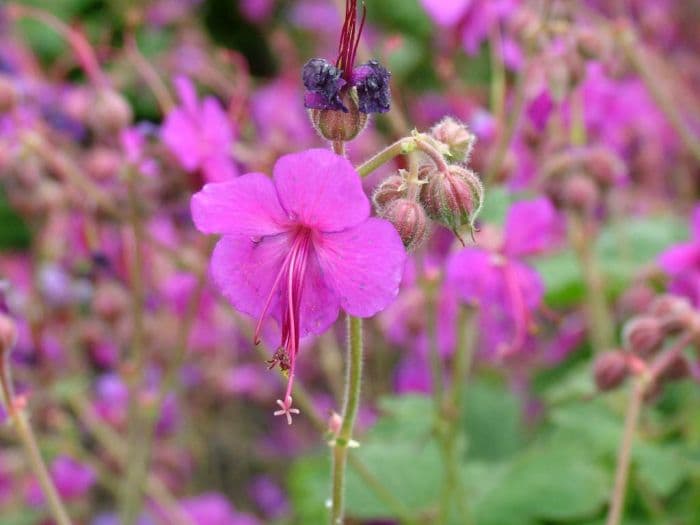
610,370
643,335
579,192
457,137
391,189
409,219
103,163
335,422
677,369
8,94
8,334
453,197
605,166
338,125
676,313
111,112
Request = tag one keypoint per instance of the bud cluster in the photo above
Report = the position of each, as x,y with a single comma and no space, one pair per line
643,339
446,192
576,179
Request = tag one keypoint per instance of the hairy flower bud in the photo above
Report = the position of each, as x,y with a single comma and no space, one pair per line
8,334
457,137
675,313
111,112
409,219
453,197
605,166
337,125
677,369
643,335
8,94
610,370
391,189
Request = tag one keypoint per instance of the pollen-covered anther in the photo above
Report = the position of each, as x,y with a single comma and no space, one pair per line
286,409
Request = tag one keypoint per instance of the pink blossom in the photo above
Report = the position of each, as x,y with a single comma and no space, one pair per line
299,248
681,263
200,135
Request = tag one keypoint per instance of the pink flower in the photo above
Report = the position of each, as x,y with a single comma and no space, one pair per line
200,135
299,248
681,262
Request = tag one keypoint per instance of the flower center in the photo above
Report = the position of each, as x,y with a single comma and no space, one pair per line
290,283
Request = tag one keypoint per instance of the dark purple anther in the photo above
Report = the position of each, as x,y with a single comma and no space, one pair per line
323,82
372,83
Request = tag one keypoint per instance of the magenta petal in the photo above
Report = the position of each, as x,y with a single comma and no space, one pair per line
246,205
695,224
475,276
320,304
245,271
446,13
219,168
217,129
321,190
532,227
186,93
680,258
180,136
364,265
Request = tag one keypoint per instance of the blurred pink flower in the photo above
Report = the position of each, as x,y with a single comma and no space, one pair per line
300,247
681,263
200,135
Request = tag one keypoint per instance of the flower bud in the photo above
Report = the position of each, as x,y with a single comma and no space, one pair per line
579,192
453,197
604,166
338,125
458,139
8,334
409,219
643,335
610,370
677,369
111,112
8,94
675,313
391,189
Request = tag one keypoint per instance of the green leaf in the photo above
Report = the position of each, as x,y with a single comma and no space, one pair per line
548,483
492,416
309,488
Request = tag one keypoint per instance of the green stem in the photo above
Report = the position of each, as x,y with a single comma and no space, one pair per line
350,408
29,443
138,448
400,147
464,354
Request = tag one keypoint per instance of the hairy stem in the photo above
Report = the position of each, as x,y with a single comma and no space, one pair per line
350,407
400,147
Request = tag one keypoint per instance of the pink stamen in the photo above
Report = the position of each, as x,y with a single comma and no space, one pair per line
294,270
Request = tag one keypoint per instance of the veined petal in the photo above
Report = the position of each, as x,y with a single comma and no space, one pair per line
320,304
321,190
246,205
245,271
363,265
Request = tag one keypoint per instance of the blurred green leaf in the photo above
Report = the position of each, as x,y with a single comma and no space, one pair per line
404,16
548,483
13,232
493,422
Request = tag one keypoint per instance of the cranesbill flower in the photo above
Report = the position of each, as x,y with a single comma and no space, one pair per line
299,248
507,290
682,264
200,135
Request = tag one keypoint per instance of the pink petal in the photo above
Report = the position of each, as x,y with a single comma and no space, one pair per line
216,126
363,265
180,136
321,190
695,224
186,93
475,276
245,271
532,227
219,168
446,13
246,205
680,258
320,303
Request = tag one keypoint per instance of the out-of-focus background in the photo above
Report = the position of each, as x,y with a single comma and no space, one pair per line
577,297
